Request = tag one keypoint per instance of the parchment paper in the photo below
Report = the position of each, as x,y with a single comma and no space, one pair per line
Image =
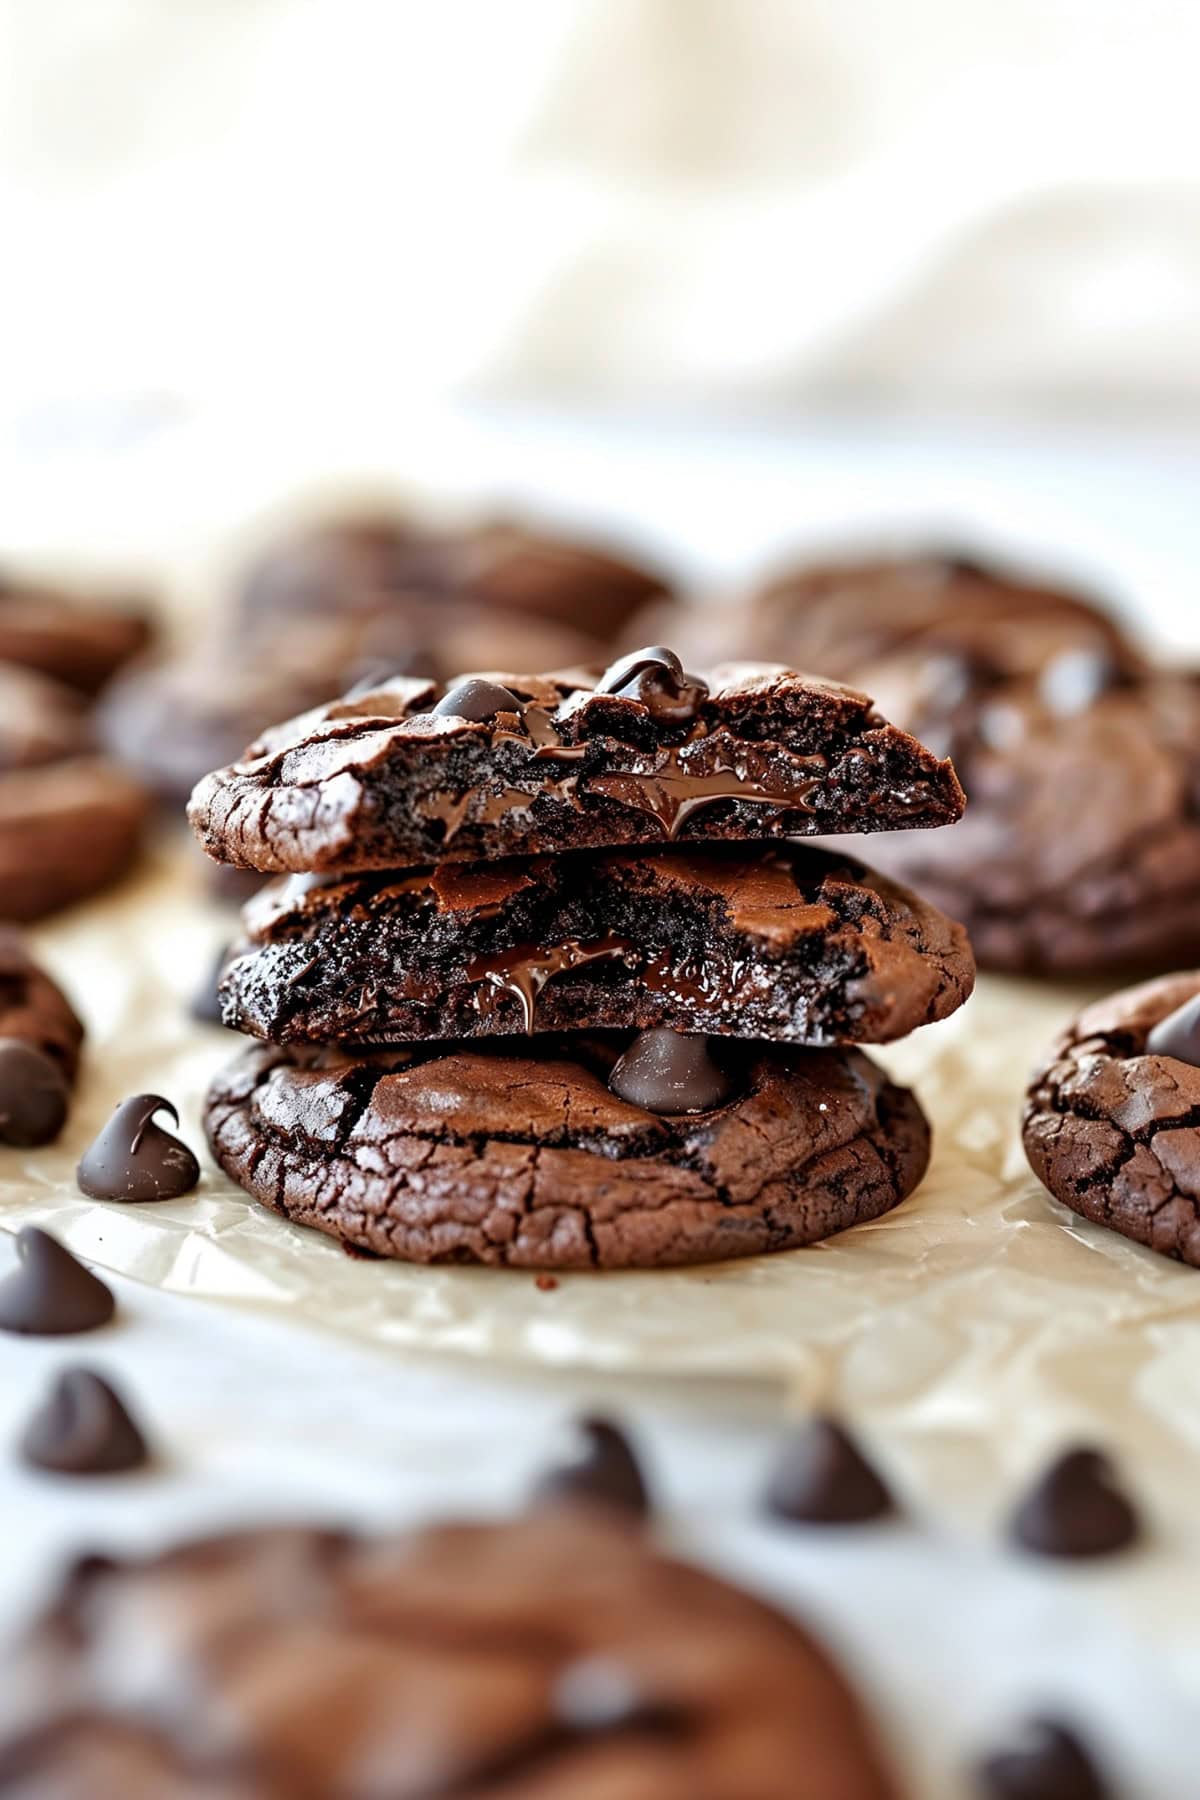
976,1307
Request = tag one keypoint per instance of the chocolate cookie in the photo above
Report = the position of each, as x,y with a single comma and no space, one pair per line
67,830
171,722
553,1656
413,774
367,564
1081,845
80,643
524,1156
41,721
1112,1120
786,943
842,619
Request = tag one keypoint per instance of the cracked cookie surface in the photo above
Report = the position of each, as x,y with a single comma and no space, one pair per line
552,1656
785,942
522,1156
381,780
1113,1131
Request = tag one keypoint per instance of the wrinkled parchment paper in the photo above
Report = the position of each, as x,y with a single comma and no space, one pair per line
978,1310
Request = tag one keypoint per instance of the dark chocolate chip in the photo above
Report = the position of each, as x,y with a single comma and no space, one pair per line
598,1694
1049,1764
603,1468
34,1094
1076,1509
83,1428
206,1003
476,700
823,1478
51,1293
1075,679
667,1071
655,677
135,1159
1178,1035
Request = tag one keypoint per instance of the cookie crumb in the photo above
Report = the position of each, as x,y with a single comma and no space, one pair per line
546,1283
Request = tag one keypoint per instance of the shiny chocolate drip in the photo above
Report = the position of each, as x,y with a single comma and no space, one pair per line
525,970
673,791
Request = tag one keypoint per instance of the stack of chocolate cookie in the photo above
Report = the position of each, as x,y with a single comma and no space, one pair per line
553,983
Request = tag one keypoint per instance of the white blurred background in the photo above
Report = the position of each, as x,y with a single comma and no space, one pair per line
839,262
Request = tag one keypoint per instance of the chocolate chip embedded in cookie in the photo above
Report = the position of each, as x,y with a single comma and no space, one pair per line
781,942
1112,1120
76,641
524,1156
387,780
67,831
554,1656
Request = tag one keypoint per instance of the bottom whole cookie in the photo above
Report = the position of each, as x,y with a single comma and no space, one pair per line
528,1159
554,1656
1112,1119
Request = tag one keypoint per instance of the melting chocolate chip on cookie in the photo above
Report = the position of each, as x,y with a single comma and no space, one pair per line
655,677
823,1478
135,1159
1178,1035
34,1095
1076,1509
476,701
602,1468
667,1071
83,1428
1050,1763
51,1293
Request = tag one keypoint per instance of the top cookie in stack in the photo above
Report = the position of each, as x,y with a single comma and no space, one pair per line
572,855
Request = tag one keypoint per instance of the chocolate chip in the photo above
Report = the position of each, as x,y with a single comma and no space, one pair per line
665,1071
476,700
83,1429
34,1094
823,1478
598,1694
1076,1509
1075,679
603,1468
135,1159
1050,1764
656,678
1178,1035
51,1293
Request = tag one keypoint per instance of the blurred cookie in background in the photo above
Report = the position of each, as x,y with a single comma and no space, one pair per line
76,638
842,619
362,565
68,830
41,720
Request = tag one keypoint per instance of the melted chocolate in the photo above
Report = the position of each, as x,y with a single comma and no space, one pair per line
655,678
525,970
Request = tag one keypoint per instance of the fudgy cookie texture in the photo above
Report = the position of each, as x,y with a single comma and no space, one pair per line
1112,1120
841,619
412,773
787,943
41,720
546,1658
80,642
173,721
67,830
33,1008
524,1156
361,565
1081,845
